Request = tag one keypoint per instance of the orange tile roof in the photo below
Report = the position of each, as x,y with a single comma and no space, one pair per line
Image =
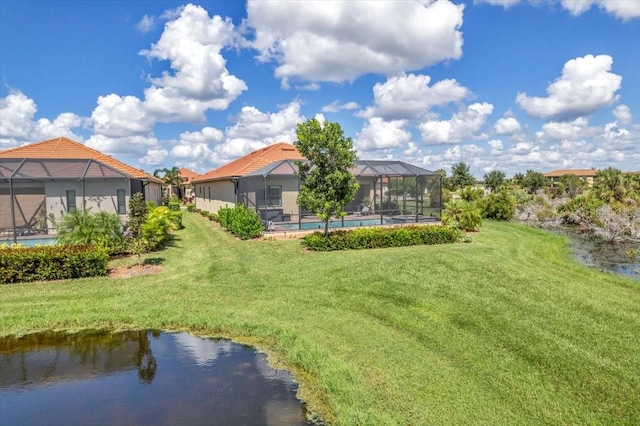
252,162
187,175
577,172
64,148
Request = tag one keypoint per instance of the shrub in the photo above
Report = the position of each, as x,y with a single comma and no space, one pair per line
191,207
244,223
462,215
469,193
500,206
364,238
224,215
156,229
82,228
24,264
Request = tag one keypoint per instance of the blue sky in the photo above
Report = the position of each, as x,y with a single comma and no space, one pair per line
499,84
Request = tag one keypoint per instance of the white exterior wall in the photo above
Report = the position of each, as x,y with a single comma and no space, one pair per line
210,196
98,196
153,193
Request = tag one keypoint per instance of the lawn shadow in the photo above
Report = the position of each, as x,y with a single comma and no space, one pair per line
154,261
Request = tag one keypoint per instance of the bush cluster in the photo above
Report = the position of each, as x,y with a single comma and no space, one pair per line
241,221
191,207
81,228
213,217
24,264
159,223
364,238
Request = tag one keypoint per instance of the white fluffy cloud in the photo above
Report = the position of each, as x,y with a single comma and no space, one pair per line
408,96
586,85
622,114
117,116
206,135
506,126
255,129
17,123
192,44
380,134
335,106
623,9
340,40
462,125
131,146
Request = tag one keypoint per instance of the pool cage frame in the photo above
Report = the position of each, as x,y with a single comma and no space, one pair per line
23,191
391,192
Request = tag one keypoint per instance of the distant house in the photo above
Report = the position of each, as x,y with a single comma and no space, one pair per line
266,181
187,177
588,175
219,187
41,181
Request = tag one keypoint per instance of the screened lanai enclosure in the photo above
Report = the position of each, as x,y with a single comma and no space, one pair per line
35,193
390,192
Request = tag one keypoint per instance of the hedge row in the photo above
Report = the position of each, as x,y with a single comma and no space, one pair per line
23,264
213,217
364,238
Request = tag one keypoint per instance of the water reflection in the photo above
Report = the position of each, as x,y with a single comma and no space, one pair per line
621,258
141,377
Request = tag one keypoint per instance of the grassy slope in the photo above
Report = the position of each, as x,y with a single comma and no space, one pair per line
506,330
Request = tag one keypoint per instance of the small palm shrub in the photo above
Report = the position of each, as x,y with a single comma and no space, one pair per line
81,228
463,215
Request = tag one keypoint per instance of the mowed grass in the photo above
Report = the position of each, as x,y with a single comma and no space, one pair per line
505,330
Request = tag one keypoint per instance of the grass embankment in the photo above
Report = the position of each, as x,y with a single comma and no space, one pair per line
505,330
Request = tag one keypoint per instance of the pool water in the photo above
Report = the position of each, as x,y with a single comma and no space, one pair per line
32,242
332,224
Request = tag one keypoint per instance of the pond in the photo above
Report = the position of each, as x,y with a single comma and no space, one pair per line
142,378
620,258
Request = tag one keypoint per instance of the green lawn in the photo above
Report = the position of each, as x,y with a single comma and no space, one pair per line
505,330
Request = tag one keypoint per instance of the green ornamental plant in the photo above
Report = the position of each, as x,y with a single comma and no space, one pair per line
462,215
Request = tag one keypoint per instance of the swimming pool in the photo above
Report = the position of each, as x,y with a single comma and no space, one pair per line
332,224
32,242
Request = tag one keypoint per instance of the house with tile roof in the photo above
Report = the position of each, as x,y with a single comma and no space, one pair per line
588,175
219,187
187,176
39,182
266,181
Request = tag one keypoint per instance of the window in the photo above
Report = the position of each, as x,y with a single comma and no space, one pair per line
71,200
122,206
209,193
273,194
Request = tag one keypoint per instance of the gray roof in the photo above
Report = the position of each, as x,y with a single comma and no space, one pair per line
373,168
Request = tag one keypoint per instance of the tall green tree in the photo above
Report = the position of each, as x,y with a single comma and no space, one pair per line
533,181
572,185
326,185
460,176
494,180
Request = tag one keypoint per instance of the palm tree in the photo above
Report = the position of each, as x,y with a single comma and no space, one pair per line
611,185
172,179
